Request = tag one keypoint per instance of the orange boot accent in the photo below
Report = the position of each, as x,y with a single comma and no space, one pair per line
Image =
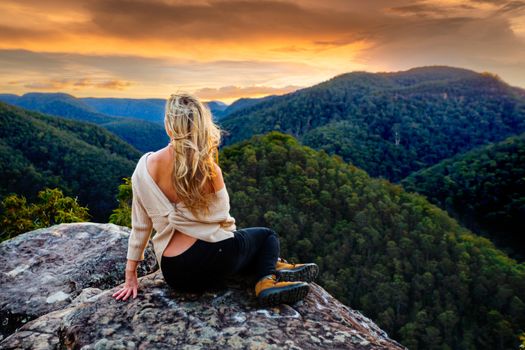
271,292
296,272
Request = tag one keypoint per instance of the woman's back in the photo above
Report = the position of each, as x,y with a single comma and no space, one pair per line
159,165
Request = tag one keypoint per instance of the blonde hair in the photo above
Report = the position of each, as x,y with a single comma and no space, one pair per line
195,140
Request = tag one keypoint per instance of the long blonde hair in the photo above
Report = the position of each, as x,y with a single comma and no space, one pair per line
195,140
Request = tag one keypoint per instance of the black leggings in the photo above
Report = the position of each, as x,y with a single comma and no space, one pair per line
252,250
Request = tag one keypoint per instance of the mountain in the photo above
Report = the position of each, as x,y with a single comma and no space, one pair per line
9,98
484,189
244,103
150,109
391,124
83,159
217,108
70,271
144,135
404,262
59,104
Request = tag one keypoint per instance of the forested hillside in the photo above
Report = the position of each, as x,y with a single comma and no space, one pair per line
150,109
484,189
426,280
82,159
143,135
391,124
243,103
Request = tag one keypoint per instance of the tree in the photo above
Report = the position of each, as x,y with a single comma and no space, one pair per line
51,208
122,214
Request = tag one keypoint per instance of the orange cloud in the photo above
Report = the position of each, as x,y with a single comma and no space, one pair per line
247,47
56,84
232,92
113,84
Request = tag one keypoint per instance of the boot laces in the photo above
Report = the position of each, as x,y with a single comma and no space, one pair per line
273,278
285,261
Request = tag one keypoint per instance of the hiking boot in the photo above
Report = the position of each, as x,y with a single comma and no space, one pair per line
271,292
296,272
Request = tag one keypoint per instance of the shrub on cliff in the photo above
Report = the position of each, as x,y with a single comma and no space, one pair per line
52,207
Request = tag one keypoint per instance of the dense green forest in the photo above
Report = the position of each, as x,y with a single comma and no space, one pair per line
82,159
484,189
391,124
141,134
426,280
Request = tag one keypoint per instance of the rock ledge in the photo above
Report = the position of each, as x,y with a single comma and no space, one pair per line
160,317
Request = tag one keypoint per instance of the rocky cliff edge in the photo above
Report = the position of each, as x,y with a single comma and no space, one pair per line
57,285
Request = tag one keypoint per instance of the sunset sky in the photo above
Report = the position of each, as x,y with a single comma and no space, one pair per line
224,50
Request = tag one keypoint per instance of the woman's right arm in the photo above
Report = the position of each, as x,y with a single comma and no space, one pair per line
141,229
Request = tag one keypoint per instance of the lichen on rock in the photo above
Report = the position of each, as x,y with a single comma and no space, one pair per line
46,269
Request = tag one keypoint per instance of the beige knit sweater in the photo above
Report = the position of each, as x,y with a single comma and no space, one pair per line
151,209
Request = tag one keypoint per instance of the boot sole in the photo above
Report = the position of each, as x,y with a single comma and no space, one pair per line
306,273
283,295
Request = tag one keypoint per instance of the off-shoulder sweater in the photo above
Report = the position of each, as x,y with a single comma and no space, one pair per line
151,209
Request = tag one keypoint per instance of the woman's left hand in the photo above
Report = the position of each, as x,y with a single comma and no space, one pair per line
130,287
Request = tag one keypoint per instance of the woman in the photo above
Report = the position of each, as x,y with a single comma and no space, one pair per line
180,192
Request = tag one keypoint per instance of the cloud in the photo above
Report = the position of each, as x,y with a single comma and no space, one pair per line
149,77
419,9
17,33
265,43
225,20
326,24
237,91
60,84
52,84
114,84
230,20
447,34
143,69
512,7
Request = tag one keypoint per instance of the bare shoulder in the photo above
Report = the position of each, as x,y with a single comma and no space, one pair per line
218,180
218,169
155,161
